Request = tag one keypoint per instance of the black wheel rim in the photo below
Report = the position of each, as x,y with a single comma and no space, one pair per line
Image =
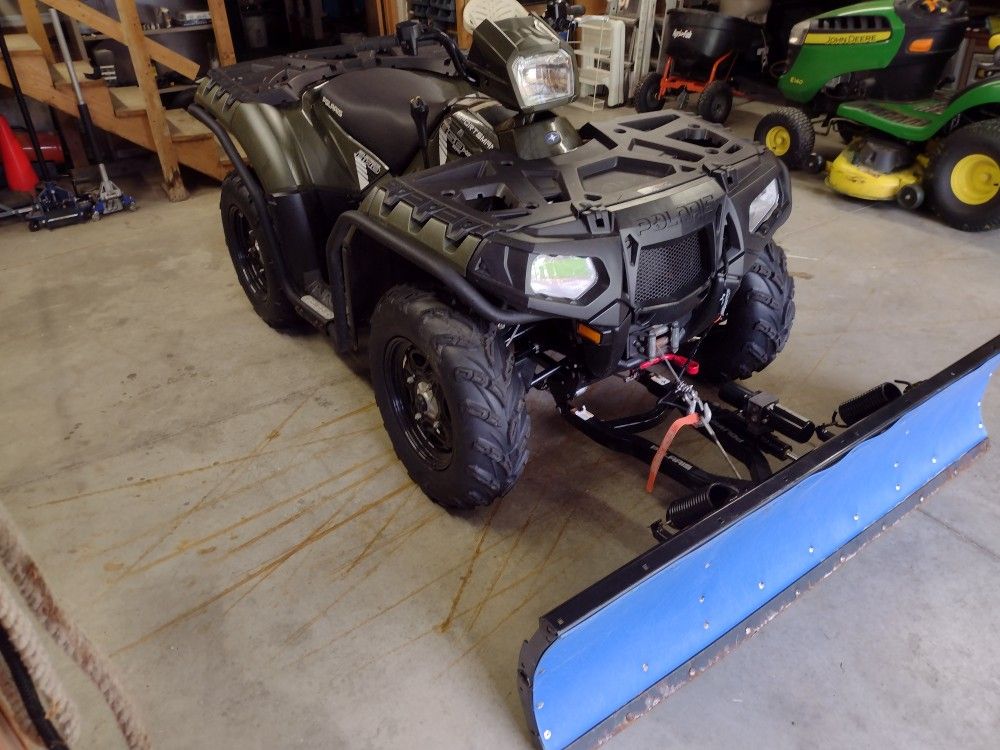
718,108
249,259
418,402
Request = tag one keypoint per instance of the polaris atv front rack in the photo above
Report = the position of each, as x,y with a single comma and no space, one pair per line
736,552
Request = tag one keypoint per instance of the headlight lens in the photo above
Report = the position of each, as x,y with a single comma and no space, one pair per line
764,205
799,32
543,78
562,276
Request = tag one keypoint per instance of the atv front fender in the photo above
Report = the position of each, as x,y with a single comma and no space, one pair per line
287,152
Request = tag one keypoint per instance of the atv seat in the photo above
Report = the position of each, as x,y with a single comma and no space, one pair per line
375,107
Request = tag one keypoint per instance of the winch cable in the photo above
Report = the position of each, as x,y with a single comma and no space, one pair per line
38,597
696,404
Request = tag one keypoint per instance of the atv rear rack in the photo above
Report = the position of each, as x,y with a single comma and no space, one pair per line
607,655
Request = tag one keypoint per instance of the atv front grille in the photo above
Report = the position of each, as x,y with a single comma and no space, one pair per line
671,270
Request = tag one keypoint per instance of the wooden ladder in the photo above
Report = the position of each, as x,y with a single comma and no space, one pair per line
134,113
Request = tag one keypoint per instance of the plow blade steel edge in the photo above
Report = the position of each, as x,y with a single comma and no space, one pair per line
614,650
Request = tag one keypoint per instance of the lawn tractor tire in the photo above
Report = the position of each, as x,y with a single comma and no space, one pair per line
450,398
963,180
788,133
757,324
256,262
716,102
647,95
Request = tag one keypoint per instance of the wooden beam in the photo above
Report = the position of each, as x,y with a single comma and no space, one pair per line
35,26
107,25
223,35
35,74
145,75
463,36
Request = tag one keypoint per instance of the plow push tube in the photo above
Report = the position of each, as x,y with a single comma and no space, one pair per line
607,655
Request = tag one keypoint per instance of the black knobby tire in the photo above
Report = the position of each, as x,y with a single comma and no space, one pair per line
479,446
982,140
758,320
716,102
255,261
647,95
801,135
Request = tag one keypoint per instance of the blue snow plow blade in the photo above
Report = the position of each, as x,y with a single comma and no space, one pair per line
610,653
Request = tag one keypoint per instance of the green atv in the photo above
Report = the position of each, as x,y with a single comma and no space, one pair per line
872,72
433,203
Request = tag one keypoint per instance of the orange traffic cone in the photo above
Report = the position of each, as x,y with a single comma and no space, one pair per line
18,170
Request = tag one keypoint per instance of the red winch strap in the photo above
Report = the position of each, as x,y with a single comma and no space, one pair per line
654,468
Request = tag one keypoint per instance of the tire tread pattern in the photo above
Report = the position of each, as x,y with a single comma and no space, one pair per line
277,311
759,320
492,427
801,129
988,130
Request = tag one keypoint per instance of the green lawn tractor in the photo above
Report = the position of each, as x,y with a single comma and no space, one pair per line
872,72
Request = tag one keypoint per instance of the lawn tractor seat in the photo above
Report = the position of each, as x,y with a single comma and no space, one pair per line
477,11
754,11
934,32
383,95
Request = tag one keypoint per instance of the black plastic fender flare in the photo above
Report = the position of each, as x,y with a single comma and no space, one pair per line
415,253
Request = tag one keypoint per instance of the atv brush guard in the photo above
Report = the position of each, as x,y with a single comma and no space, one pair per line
616,649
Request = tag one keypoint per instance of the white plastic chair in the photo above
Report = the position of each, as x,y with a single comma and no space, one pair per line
600,57
477,11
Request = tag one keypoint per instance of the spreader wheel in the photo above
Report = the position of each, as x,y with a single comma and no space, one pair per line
647,96
716,102
963,180
789,135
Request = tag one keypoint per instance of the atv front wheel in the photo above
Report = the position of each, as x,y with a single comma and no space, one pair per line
789,135
450,398
758,321
255,261
963,181
647,96
716,102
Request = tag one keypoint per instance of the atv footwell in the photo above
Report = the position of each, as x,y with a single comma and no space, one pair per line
610,653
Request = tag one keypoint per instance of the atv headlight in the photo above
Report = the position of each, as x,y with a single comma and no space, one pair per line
763,205
566,277
544,78
799,33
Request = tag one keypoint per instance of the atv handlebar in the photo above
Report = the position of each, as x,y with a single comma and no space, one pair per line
409,35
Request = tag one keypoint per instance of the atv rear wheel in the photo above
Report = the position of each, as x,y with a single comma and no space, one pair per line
788,133
758,321
255,261
963,181
450,398
716,102
647,95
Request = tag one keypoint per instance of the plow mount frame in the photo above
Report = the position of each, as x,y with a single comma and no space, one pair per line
610,653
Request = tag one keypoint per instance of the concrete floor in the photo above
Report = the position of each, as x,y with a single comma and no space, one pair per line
218,506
